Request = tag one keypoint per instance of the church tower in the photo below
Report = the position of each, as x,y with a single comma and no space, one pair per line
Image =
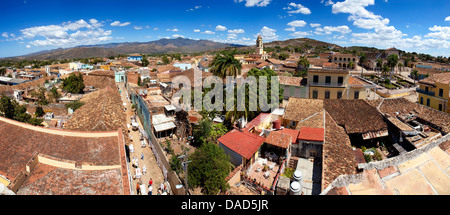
259,46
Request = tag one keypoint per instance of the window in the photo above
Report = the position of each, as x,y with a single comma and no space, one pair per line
340,80
327,79
315,93
339,94
356,94
428,102
315,79
441,92
327,94
421,100
426,89
440,107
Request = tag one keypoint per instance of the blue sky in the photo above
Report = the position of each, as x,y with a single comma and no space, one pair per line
28,26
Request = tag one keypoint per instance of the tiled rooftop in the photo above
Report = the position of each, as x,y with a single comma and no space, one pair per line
426,173
20,142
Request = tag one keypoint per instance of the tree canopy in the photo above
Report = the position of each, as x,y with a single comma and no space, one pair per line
208,169
73,84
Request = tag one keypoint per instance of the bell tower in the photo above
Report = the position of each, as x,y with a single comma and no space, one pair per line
259,46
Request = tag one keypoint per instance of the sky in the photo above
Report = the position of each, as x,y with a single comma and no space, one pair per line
28,26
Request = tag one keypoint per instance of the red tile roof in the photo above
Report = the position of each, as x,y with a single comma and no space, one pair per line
279,139
257,120
242,142
311,134
292,132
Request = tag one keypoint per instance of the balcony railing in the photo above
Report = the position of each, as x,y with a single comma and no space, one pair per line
322,84
430,93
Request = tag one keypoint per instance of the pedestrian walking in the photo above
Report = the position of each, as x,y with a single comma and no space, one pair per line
150,190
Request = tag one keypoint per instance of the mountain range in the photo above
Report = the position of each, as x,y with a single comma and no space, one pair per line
161,46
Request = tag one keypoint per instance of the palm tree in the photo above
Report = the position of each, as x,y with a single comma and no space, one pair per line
379,64
224,64
414,75
362,60
351,64
303,65
392,63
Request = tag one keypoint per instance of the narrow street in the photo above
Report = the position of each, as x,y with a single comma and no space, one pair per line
149,161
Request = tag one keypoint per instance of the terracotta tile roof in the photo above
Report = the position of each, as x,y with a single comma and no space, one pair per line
243,142
311,134
293,81
102,111
279,139
257,120
402,107
49,180
294,133
437,78
355,115
338,158
314,121
299,109
317,61
20,142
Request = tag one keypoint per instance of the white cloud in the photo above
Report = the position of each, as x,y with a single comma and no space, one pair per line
252,3
67,34
208,32
327,30
221,28
195,8
5,35
297,23
300,34
28,46
231,36
177,35
447,18
138,27
236,31
268,34
439,32
174,30
297,8
196,30
117,23
290,29
314,25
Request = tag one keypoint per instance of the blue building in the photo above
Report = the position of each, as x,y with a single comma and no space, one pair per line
119,76
183,66
134,58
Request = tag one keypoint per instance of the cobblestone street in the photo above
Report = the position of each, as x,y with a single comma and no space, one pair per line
149,161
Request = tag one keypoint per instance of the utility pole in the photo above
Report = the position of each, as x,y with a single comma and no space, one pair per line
185,165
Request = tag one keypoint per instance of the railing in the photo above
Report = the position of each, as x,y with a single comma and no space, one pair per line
430,93
327,84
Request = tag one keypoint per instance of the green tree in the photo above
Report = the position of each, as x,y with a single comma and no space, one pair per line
392,63
35,121
303,65
362,60
39,111
73,84
208,169
55,94
224,64
165,59
7,107
144,61
283,56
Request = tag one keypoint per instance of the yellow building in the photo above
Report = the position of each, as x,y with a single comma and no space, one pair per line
336,84
434,91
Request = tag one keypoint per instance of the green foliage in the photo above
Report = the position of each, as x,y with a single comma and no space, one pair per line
7,107
40,95
224,64
165,60
35,121
288,172
283,56
73,84
208,169
74,105
39,111
207,131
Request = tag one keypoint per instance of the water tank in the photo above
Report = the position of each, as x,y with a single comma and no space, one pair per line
298,176
276,124
296,188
